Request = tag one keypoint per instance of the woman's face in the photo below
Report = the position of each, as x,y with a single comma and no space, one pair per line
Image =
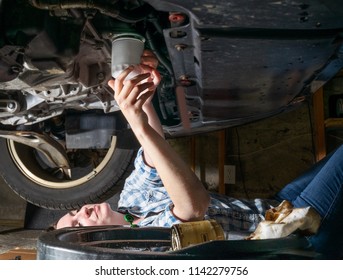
92,215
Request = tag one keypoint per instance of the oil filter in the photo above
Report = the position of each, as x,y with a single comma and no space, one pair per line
190,233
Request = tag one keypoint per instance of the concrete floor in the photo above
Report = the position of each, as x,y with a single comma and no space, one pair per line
15,241
12,214
18,243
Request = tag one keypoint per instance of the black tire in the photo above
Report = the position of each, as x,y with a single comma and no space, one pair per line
22,170
117,242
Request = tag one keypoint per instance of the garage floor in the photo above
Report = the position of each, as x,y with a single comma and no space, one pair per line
18,243
14,240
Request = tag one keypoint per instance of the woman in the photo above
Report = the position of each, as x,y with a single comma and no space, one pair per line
162,190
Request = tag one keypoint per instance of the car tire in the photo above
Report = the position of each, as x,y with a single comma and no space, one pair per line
22,171
120,242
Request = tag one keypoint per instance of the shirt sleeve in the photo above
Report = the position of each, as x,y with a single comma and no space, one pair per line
143,193
165,218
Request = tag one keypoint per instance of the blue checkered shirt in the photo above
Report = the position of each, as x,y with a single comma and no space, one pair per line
145,196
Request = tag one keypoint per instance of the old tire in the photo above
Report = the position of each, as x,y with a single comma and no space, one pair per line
23,171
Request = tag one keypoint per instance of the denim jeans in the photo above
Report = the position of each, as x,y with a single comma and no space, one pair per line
321,187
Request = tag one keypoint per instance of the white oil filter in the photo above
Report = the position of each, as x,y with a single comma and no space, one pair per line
126,50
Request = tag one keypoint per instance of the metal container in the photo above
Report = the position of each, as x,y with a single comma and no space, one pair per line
127,50
190,233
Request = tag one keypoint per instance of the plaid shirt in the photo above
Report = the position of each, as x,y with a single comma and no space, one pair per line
145,196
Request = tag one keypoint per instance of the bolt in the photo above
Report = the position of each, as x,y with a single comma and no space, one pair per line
177,18
181,47
10,105
185,81
15,69
100,76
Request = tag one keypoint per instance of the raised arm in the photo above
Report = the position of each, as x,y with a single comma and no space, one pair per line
189,196
149,64
149,59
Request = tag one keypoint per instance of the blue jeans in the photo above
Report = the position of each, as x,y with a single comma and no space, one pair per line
321,187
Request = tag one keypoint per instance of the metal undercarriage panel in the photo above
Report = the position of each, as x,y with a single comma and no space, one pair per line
245,61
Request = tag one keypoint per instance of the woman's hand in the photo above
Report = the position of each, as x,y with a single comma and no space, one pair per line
149,64
137,92
132,94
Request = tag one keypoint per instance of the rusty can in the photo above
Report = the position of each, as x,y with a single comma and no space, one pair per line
190,233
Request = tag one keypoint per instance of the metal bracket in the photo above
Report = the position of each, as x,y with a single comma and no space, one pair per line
52,149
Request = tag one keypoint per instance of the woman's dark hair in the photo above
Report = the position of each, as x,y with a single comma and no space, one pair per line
51,227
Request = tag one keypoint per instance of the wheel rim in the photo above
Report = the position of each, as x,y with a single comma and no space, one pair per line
32,166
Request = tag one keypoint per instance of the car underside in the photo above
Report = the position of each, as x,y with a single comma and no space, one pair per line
223,64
